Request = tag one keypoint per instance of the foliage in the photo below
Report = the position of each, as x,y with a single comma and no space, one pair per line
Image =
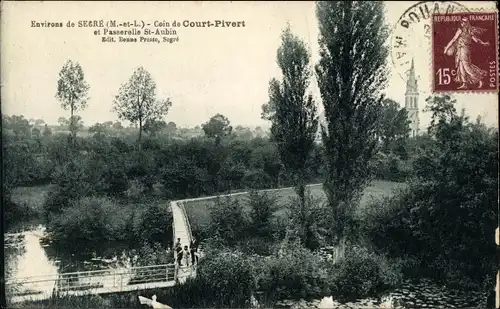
47,131
17,124
262,206
72,90
217,127
224,280
228,220
89,223
446,216
308,221
351,75
95,223
292,112
362,273
98,129
293,273
136,100
394,125
153,126
72,182
154,225
390,167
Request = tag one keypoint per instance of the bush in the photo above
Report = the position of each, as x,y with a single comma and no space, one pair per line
98,224
156,223
256,179
224,280
390,167
362,273
261,207
293,273
308,223
229,222
91,223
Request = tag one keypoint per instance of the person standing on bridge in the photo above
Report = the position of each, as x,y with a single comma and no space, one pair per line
186,256
178,250
194,249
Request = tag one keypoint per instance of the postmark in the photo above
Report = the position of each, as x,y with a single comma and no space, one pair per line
412,33
465,52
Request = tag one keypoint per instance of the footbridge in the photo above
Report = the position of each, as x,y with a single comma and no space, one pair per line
107,281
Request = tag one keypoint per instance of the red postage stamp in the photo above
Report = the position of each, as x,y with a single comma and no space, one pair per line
465,52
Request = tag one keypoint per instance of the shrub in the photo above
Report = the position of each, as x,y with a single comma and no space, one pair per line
228,220
223,280
361,273
261,207
256,179
156,222
89,222
308,223
293,273
96,224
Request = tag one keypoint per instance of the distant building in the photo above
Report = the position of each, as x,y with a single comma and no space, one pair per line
411,101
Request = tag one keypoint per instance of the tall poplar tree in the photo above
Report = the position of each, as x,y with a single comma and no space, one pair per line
293,114
351,76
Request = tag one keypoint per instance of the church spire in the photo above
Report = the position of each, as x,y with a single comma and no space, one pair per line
411,83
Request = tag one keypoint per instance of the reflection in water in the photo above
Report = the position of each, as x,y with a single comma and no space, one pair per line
33,260
28,255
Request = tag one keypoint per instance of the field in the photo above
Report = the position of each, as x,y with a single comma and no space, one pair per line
199,215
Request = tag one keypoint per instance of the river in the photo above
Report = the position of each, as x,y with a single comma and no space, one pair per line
27,257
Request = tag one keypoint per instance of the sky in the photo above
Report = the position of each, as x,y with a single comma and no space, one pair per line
208,71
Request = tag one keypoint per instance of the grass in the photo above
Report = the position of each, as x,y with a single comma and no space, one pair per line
199,214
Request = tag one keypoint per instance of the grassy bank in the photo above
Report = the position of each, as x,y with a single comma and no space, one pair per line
199,214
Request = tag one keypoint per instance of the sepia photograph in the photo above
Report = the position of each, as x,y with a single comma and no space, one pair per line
250,154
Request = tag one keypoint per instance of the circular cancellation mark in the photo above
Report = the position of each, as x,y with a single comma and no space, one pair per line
412,33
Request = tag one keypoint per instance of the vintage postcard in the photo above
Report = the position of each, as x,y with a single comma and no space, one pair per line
253,154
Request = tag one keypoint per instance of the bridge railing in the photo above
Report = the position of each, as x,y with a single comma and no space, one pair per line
186,220
88,281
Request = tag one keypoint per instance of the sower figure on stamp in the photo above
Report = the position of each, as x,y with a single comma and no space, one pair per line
460,46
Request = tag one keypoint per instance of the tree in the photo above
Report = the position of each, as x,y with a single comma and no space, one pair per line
63,122
77,123
18,124
72,90
351,74
98,129
136,101
262,206
217,127
394,124
117,125
36,132
293,112
47,131
153,126
39,122
171,127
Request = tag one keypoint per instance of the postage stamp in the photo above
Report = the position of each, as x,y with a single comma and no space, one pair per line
465,52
